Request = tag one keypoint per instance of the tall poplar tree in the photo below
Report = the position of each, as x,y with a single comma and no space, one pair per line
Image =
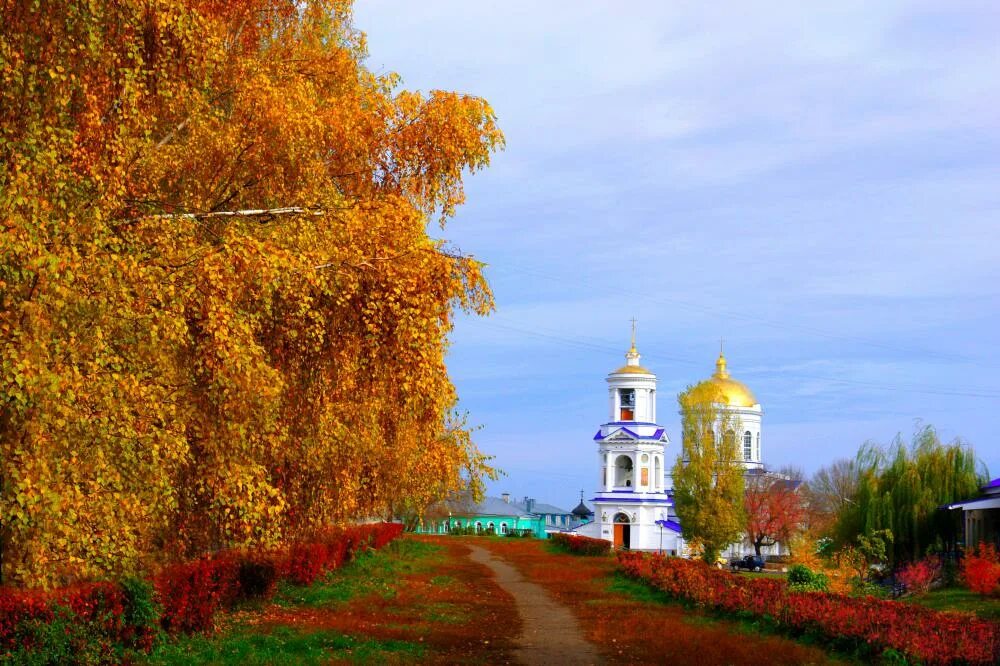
708,478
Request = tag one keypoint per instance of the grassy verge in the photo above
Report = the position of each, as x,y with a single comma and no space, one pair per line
283,645
960,599
373,573
415,601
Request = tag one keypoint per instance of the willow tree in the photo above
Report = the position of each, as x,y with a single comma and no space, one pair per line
708,476
900,488
222,320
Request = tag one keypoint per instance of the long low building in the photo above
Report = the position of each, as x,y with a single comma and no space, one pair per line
501,516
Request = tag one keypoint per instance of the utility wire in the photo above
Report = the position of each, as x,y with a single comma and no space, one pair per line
606,346
672,302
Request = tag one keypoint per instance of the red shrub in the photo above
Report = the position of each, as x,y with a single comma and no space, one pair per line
918,576
101,605
922,634
17,608
191,593
306,561
581,545
981,570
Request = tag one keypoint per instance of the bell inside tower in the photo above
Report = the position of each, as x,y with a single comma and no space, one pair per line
627,402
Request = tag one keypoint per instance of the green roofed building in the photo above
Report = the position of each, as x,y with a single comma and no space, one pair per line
494,515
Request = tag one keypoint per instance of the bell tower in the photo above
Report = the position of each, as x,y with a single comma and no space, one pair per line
631,496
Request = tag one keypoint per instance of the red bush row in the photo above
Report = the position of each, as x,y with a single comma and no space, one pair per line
188,594
193,592
100,604
921,634
581,545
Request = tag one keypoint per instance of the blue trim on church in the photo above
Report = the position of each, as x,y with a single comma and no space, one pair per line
655,437
670,525
612,500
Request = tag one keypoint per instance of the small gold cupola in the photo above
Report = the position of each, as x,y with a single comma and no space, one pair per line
632,366
735,393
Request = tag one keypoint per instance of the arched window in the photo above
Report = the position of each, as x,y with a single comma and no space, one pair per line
479,527
657,473
623,471
747,445
503,529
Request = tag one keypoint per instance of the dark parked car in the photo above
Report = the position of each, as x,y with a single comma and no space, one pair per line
748,562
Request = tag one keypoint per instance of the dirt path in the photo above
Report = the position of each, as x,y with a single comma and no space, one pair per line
550,634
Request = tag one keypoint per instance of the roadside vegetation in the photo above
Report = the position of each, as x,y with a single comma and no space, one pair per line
417,601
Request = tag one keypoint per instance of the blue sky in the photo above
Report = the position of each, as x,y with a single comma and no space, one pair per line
819,186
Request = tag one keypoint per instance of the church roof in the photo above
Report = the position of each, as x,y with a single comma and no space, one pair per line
631,370
582,511
670,525
735,393
655,437
632,366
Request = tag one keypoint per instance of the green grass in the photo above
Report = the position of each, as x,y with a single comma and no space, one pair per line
960,599
622,584
374,572
282,645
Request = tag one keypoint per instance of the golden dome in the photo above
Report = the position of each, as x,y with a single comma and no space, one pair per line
632,366
735,393
631,370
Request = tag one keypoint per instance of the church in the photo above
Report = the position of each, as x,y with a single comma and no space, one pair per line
634,506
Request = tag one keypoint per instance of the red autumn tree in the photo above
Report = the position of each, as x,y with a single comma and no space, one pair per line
775,509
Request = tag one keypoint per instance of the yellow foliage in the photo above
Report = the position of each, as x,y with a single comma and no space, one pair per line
177,378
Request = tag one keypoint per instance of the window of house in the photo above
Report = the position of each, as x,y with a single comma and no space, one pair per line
503,528
479,527
626,399
747,445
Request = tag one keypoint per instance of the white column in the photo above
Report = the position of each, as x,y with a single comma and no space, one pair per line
609,476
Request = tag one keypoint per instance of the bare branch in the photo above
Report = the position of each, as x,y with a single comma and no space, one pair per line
254,212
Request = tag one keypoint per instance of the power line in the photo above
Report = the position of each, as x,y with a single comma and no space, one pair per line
673,302
605,346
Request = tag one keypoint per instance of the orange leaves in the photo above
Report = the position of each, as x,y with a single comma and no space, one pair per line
177,377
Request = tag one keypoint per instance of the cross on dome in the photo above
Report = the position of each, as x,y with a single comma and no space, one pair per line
632,357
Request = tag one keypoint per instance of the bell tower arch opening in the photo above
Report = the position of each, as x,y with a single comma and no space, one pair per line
624,472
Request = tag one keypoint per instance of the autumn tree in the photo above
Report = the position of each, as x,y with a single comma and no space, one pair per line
708,476
222,320
830,492
774,509
900,488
